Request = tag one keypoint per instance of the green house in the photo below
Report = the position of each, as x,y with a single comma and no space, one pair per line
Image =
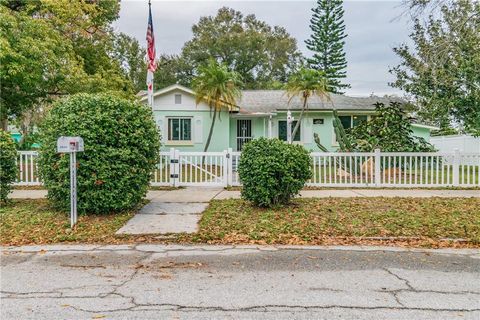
259,113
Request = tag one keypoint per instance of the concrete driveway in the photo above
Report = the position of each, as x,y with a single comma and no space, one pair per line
213,282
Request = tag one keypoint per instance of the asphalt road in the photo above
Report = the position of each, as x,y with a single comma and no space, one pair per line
173,282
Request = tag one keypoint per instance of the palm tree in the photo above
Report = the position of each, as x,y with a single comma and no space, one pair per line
218,87
305,84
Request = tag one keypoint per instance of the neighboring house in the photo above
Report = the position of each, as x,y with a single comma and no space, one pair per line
259,113
14,133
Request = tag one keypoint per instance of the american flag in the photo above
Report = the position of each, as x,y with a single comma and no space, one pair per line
152,66
150,43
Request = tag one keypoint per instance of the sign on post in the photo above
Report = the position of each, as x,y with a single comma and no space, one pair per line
71,145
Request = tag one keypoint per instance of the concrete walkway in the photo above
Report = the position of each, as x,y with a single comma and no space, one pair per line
174,211
205,194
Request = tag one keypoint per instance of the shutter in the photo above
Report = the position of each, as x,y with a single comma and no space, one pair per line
163,127
307,130
274,128
198,129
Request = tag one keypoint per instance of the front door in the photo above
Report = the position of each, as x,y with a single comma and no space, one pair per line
244,133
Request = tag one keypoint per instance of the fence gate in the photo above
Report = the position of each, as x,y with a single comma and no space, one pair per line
199,168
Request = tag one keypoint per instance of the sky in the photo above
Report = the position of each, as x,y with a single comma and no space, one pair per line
373,29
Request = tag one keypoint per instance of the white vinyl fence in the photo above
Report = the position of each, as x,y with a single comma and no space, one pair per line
27,169
334,169
464,143
191,169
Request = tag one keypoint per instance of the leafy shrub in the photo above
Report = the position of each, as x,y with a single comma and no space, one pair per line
8,167
390,131
121,149
272,171
28,142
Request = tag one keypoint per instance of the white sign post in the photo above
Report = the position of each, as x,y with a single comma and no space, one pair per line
71,145
289,126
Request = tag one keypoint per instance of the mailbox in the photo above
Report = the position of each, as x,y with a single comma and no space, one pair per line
69,144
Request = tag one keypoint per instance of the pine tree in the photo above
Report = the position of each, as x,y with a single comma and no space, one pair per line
326,41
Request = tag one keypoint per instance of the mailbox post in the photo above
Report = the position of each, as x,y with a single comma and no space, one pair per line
71,145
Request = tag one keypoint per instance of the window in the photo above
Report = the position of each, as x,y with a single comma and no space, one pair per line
179,129
282,130
357,120
318,121
346,121
352,121
178,99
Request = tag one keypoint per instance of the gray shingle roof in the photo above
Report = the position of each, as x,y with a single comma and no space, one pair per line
271,100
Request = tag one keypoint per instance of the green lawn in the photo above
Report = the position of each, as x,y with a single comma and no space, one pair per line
315,221
423,221
35,222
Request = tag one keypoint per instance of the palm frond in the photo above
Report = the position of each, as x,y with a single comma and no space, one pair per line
217,86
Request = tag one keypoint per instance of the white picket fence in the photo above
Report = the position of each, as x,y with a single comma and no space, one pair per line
335,169
27,169
191,169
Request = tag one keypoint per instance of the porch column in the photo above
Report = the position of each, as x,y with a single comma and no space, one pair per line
270,127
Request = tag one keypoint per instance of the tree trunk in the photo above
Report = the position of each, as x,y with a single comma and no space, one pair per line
24,131
207,144
299,120
4,123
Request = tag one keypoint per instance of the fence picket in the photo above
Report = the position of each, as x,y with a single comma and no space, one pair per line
354,169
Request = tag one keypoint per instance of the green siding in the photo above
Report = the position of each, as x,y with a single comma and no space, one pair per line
220,136
225,130
232,143
421,132
324,131
16,136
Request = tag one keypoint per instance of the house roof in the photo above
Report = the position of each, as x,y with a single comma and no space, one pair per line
266,101
272,100
261,102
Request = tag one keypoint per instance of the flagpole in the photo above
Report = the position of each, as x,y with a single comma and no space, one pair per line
150,56
150,91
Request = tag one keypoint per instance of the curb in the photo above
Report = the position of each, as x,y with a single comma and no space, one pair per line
474,253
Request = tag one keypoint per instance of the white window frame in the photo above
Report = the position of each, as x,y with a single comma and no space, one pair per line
170,134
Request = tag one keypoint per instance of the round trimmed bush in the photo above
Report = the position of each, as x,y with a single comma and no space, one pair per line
8,167
272,171
121,150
